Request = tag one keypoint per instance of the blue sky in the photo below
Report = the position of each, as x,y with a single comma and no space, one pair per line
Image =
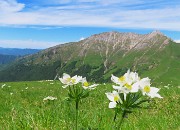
45,23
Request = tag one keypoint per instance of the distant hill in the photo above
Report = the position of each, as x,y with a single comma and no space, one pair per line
8,55
17,51
101,55
4,59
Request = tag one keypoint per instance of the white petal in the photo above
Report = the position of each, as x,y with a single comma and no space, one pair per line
135,87
144,82
115,93
90,87
127,73
110,96
93,86
85,87
115,79
154,90
77,79
64,81
154,93
124,90
117,87
112,104
65,76
83,80
158,96
134,76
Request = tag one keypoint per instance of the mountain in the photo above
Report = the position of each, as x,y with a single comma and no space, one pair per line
101,55
8,55
17,51
6,59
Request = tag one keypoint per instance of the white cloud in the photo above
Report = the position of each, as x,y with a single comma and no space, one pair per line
82,14
177,41
82,38
10,6
55,1
27,44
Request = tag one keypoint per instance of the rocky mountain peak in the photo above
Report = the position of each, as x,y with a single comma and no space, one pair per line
112,37
115,36
157,32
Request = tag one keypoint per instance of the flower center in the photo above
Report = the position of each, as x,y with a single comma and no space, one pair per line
68,79
147,89
116,98
128,86
122,78
73,80
86,84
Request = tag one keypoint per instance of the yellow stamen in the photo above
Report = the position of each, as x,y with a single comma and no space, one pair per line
122,78
128,86
86,84
116,98
147,89
68,79
73,80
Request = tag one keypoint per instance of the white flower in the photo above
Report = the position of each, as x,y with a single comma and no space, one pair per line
50,98
86,85
68,80
128,78
114,98
147,90
3,85
120,81
127,89
126,83
134,77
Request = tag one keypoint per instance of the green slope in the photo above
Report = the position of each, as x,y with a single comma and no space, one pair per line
97,60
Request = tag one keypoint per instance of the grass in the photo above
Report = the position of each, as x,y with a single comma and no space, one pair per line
22,107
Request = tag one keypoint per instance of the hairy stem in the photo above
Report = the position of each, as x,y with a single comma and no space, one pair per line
76,124
122,119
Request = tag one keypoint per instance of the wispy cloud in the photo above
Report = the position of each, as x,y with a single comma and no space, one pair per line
27,44
154,14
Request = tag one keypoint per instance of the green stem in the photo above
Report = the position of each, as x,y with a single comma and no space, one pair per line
77,103
122,119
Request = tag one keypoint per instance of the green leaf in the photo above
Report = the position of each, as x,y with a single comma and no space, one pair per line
139,103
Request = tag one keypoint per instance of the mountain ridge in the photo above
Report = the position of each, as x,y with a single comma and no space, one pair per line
98,56
18,51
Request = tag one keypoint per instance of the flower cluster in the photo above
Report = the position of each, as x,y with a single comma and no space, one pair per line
67,80
78,89
130,82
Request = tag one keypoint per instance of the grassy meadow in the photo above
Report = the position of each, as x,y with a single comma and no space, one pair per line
22,107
